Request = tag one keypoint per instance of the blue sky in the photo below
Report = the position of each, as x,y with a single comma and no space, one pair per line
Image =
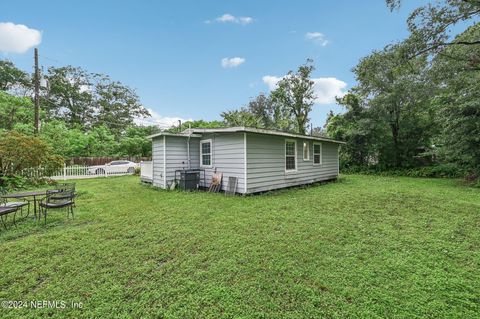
171,51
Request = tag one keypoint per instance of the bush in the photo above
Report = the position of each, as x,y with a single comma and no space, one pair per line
436,171
19,152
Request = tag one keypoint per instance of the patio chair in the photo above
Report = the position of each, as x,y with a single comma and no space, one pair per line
18,204
58,198
62,195
4,211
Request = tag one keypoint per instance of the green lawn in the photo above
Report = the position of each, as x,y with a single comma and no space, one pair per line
363,247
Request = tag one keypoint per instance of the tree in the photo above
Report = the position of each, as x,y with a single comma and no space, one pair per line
87,100
364,135
295,93
69,96
100,142
457,104
196,124
398,94
261,112
134,141
67,142
431,26
116,105
15,110
12,78
241,117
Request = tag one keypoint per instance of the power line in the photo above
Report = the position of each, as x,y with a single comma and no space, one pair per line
48,58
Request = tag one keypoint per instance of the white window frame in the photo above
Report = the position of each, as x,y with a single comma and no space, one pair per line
307,143
201,152
321,154
285,159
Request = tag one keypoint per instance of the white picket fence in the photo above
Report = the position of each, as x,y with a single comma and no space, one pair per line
146,172
77,172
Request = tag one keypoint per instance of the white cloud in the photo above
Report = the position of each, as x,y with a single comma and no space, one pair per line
271,81
228,18
18,38
232,62
164,122
326,89
317,37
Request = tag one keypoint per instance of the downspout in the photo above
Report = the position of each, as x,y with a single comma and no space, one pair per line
164,162
245,159
188,146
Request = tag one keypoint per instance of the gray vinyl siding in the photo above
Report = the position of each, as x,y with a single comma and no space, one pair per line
265,160
176,155
157,161
266,163
227,158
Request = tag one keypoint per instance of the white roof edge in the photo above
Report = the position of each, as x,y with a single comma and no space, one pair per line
173,134
261,131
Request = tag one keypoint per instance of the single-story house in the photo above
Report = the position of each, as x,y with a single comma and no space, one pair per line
260,159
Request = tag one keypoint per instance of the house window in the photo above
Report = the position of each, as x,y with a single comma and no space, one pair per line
206,152
290,155
317,154
306,151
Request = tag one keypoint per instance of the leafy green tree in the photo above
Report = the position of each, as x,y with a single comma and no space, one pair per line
457,103
432,26
241,117
295,93
398,94
134,141
196,124
116,105
100,142
261,112
67,142
12,78
69,96
364,134
85,100
15,110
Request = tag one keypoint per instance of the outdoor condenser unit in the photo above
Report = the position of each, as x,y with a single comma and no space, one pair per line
189,179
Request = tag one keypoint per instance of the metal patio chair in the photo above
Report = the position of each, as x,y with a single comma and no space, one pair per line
4,211
17,204
58,198
62,195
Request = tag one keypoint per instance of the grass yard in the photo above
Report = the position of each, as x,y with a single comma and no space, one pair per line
363,247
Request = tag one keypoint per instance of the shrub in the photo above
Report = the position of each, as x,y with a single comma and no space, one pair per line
19,152
137,171
439,171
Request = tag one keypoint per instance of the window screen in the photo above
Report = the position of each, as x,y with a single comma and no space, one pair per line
317,153
290,152
206,152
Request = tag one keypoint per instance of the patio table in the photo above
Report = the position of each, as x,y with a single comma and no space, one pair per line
33,194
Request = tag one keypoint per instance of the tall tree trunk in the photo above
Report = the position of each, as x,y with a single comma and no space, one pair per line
395,146
395,127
